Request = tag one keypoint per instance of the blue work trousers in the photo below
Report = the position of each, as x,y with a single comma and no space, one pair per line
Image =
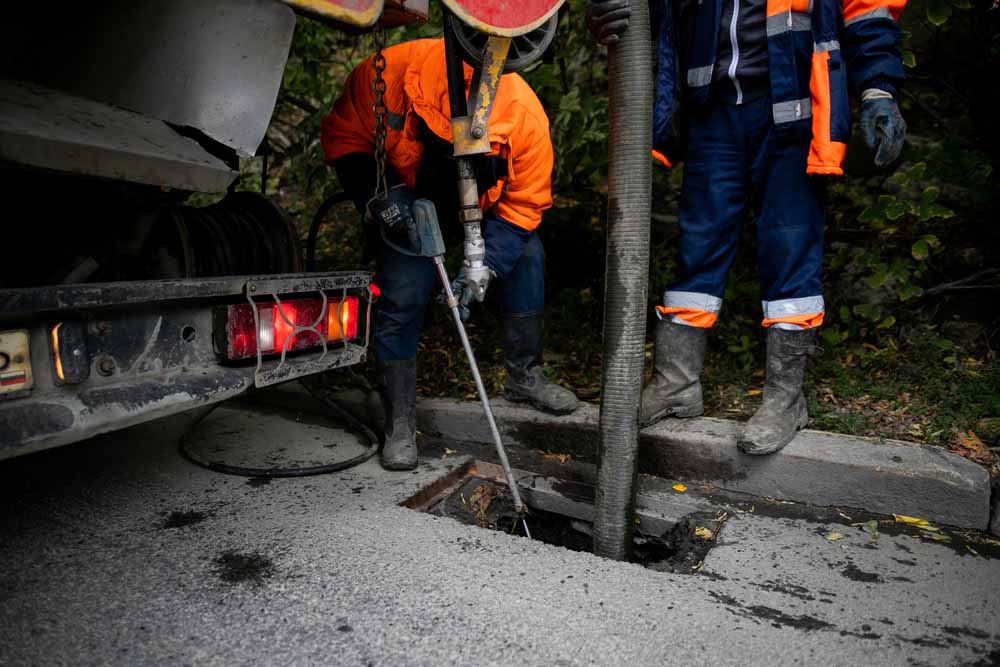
737,163
407,284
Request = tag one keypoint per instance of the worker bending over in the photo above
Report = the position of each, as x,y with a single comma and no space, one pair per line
767,87
515,184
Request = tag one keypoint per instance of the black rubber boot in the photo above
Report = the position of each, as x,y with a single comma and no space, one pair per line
783,411
526,381
399,396
675,388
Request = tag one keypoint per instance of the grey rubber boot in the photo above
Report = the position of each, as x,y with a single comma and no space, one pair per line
783,411
399,396
675,388
526,381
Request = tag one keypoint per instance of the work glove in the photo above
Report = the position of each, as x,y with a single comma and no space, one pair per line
608,19
393,215
469,286
882,126
504,243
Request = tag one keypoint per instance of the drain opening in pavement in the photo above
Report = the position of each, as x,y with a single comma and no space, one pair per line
476,495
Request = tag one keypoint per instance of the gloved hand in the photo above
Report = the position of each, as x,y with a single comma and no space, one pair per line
393,216
470,285
883,128
608,19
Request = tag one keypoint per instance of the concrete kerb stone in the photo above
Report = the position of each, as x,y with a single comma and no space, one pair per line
995,521
880,476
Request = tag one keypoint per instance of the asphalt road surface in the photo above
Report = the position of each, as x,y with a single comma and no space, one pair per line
120,551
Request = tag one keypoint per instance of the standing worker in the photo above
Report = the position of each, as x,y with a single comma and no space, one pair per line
767,86
515,182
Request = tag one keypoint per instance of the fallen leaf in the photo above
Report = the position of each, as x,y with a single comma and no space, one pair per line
911,520
755,392
971,550
680,488
703,533
834,536
448,452
971,440
971,446
938,537
561,458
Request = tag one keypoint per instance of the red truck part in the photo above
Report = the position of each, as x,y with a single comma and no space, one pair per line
505,18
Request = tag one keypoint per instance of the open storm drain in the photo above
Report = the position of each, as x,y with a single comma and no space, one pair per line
669,537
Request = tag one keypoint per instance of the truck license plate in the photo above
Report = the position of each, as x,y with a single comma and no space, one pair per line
15,362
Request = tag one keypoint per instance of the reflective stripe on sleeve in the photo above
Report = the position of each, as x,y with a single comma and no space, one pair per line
700,76
877,13
832,45
794,21
792,110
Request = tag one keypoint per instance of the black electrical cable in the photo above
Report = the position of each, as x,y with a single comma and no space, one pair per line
317,222
322,394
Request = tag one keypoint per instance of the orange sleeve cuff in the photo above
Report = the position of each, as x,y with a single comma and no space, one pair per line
661,158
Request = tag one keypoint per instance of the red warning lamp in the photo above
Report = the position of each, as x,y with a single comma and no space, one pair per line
238,335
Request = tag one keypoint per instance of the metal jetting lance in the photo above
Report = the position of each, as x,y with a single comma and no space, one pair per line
519,506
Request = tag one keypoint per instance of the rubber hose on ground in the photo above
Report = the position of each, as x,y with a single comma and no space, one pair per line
630,111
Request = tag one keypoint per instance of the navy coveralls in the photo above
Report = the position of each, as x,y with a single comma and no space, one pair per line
766,87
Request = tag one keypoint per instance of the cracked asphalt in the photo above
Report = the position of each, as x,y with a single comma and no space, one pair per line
120,551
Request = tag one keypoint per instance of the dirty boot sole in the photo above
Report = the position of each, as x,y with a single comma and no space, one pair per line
683,412
751,448
514,397
399,464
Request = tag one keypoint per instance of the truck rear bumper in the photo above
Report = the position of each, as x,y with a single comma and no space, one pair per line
57,420
149,349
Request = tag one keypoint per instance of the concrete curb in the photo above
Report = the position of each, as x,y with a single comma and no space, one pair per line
880,476
995,523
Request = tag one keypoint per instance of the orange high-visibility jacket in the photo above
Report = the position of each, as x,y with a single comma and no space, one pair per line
417,85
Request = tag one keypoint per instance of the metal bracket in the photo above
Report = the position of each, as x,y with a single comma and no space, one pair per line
469,133
484,93
271,372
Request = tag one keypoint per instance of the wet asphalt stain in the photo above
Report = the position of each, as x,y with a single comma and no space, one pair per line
966,632
236,568
860,635
257,482
854,573
988,655
792,590
775,617
780,619
992,658
182,519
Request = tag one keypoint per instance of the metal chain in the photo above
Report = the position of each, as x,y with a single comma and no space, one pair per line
380,110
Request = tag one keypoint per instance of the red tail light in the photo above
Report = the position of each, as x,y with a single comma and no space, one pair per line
240,336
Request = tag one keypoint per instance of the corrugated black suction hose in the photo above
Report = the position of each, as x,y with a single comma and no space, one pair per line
630,107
